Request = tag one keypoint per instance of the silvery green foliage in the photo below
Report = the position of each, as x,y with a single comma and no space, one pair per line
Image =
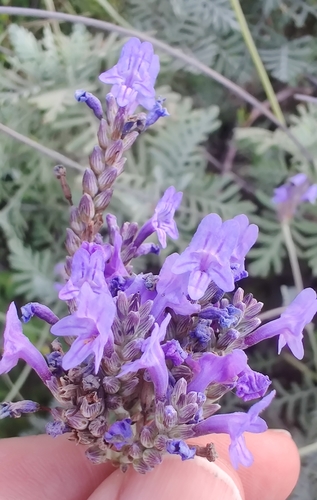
36,92
267,152
209,30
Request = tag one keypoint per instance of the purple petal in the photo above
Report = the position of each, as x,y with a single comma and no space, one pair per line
17,346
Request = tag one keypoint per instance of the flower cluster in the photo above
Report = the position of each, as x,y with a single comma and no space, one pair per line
145,358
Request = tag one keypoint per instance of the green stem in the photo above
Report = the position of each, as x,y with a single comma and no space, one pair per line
308,450
42,149
298,280
257,61
111,11
292,254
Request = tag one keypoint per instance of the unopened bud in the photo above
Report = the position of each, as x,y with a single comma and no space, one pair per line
102,134
72,241
112,108
120,165
91,100
86,208
129,140
102,200
97,160
90,185
76,223
114,152
107,178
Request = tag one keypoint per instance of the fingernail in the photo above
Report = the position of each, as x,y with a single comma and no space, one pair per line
282,431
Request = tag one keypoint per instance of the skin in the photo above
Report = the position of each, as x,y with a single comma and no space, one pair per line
43,467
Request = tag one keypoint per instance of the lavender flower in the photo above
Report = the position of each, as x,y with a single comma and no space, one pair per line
91,324
92,102
153,360
211,368
172,291
178,447
163,219
290,195
208,256
133,77
35,309
88,266
251,384
120,433
247,237
156,112
149,356
290,325
17,346
235,424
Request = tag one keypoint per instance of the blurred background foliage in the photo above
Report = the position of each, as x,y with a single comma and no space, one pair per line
226,157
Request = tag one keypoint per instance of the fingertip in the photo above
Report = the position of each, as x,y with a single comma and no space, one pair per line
54,468
276,466
172,479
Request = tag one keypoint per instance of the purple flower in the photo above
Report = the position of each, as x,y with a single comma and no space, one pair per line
92,102
153,359
179,447
290,325
207,258
57,428
247,237
88,265
172,291
35,309
163,219
115,266
91,324
296,190
251,384
120,433
173,351
210,368
17,346
15,410
156,112
133,77
235,424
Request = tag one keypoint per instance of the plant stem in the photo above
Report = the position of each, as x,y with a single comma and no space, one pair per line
42,149
308,450
292,255
246,33
272,313
298,280
178,54
111,11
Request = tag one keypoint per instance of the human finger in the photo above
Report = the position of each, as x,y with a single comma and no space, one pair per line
43,467
272,476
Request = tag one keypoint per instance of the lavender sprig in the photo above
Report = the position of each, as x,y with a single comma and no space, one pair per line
148,357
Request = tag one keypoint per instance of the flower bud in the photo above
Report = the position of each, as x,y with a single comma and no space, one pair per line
111,384
90,185
129,140
91,100
102,135
97,160
76,224
107,178
86,208
112,108
102,200
114,152
72,241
